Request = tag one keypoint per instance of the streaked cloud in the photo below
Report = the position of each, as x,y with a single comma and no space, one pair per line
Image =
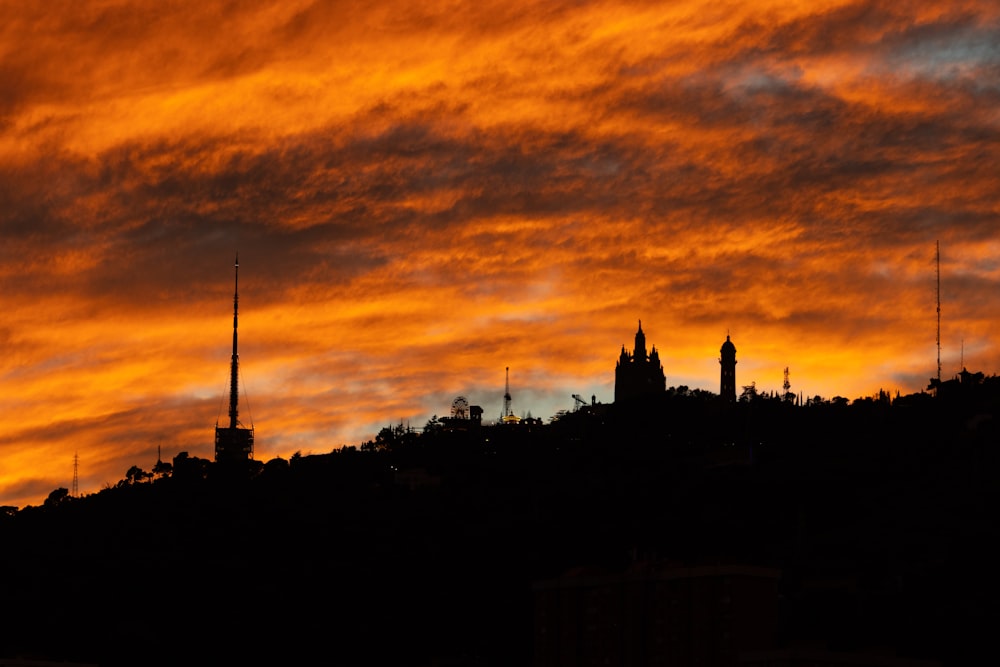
422,196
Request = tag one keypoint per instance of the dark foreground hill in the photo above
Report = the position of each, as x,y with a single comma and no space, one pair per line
420,550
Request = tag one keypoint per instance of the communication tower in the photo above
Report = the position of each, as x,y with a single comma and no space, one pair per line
508,417
76,475
235,442
937,264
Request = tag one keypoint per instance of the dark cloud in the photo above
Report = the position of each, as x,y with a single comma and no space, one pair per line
36,489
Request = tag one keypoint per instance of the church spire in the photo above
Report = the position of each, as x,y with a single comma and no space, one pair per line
639,354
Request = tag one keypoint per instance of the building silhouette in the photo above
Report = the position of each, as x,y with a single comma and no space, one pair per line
727,382
235,442
963,385
656,614
639,373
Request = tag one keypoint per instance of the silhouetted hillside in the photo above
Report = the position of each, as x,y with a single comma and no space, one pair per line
420,549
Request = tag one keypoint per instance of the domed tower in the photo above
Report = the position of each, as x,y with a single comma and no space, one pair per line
727,384
640,372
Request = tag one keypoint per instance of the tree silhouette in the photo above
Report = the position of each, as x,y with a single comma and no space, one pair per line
57,497
136,475
162,469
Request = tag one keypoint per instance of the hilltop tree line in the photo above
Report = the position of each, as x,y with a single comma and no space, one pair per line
421,547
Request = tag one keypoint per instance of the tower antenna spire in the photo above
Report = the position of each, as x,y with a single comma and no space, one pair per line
937,264
234,443
234,368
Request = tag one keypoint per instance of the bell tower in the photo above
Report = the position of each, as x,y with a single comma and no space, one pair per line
727,382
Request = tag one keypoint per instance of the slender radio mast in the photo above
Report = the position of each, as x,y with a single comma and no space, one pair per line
937,262
234,443
234,366
76,475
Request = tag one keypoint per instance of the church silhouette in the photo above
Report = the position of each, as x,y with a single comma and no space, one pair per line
637,373
640,374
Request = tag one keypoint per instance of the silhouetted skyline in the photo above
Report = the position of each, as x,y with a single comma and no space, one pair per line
423,195
671,527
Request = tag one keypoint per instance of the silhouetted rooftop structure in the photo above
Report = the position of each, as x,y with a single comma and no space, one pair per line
639,373
963,385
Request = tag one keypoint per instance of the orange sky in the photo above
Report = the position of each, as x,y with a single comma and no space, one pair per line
424,195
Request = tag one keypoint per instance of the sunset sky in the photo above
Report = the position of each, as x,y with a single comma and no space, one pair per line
422,194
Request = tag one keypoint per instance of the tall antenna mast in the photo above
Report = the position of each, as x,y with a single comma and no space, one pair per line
234,443
76,475
234,370
937,262
506,395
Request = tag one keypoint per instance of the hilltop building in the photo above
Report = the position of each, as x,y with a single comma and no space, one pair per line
962,384
727,360
656,614
639,373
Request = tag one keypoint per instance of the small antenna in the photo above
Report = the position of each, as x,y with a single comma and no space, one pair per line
506,394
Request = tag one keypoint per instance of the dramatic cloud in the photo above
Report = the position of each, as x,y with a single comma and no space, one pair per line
422,196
